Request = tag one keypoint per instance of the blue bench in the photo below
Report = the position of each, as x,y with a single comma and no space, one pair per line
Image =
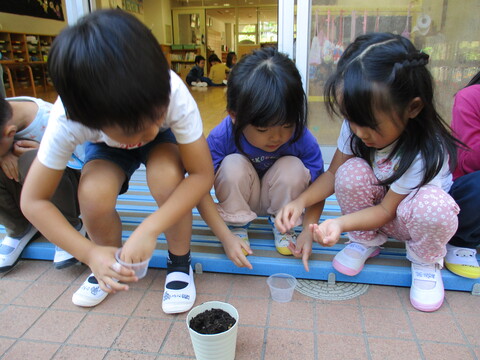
390,267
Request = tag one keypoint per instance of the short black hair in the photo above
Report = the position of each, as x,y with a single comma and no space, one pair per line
199,58
5,114
213,57
265,89
109,70
230,56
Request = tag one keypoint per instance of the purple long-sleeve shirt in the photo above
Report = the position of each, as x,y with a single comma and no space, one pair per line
221,142
466,126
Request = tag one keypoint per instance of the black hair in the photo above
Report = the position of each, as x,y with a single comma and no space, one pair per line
199,58
475,80
386,72
109,70
212,58
229,61
265,89
6,113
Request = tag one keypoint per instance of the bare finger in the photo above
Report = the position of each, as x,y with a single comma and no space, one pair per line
305,261
115,285
246,263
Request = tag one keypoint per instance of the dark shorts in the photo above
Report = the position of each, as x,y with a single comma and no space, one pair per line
128,160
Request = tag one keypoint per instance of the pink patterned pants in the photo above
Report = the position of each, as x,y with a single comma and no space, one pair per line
426,219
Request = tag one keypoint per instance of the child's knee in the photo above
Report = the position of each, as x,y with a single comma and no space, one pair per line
288,172
233,162
354,174
234,168
94,202
163,183
435,209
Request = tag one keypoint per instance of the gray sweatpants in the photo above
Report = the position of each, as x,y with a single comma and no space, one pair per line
65,197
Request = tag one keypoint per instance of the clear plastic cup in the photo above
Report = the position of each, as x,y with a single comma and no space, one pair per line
139,268
281,287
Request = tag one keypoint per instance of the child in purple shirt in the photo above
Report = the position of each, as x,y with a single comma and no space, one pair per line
264,156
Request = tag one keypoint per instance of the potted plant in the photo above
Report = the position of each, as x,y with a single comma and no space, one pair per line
213,329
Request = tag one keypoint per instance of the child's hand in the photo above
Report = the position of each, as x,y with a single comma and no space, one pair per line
303,247
235,249
287,217
20,147
327,233
9,165
109,274
138,248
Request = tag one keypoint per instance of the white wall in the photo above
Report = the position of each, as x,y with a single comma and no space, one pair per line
158,17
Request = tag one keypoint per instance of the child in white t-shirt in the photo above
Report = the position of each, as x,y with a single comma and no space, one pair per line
391,170
119,96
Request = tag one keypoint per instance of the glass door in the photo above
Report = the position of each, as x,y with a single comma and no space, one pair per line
189,28
220,31
247,31
188,39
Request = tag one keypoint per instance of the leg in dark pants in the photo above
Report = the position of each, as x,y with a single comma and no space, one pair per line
466,192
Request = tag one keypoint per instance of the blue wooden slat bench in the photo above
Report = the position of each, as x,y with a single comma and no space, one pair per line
389,268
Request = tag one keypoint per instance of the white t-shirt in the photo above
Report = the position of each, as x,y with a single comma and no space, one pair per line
36,130
37,127
63,135
384,168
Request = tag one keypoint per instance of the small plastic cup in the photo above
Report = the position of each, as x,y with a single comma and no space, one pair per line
281,287
139,268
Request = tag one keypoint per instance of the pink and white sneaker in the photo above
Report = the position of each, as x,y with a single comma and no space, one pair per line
351,259
426,292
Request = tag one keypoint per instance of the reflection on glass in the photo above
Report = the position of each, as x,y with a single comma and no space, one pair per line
189,29
247,26
444,30
267,22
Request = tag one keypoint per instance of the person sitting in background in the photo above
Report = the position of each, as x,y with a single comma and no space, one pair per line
195,76
231,59
23,121
218,71
461,258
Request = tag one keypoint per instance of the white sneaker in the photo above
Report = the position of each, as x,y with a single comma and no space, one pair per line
282,240
426,292
63,259
181,300
203,84
351,259
462,261
194,83
11,249
225,82
89,294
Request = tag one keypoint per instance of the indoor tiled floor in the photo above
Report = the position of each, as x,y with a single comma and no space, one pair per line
39,321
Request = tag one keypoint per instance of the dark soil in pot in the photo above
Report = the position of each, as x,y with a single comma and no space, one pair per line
213,321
